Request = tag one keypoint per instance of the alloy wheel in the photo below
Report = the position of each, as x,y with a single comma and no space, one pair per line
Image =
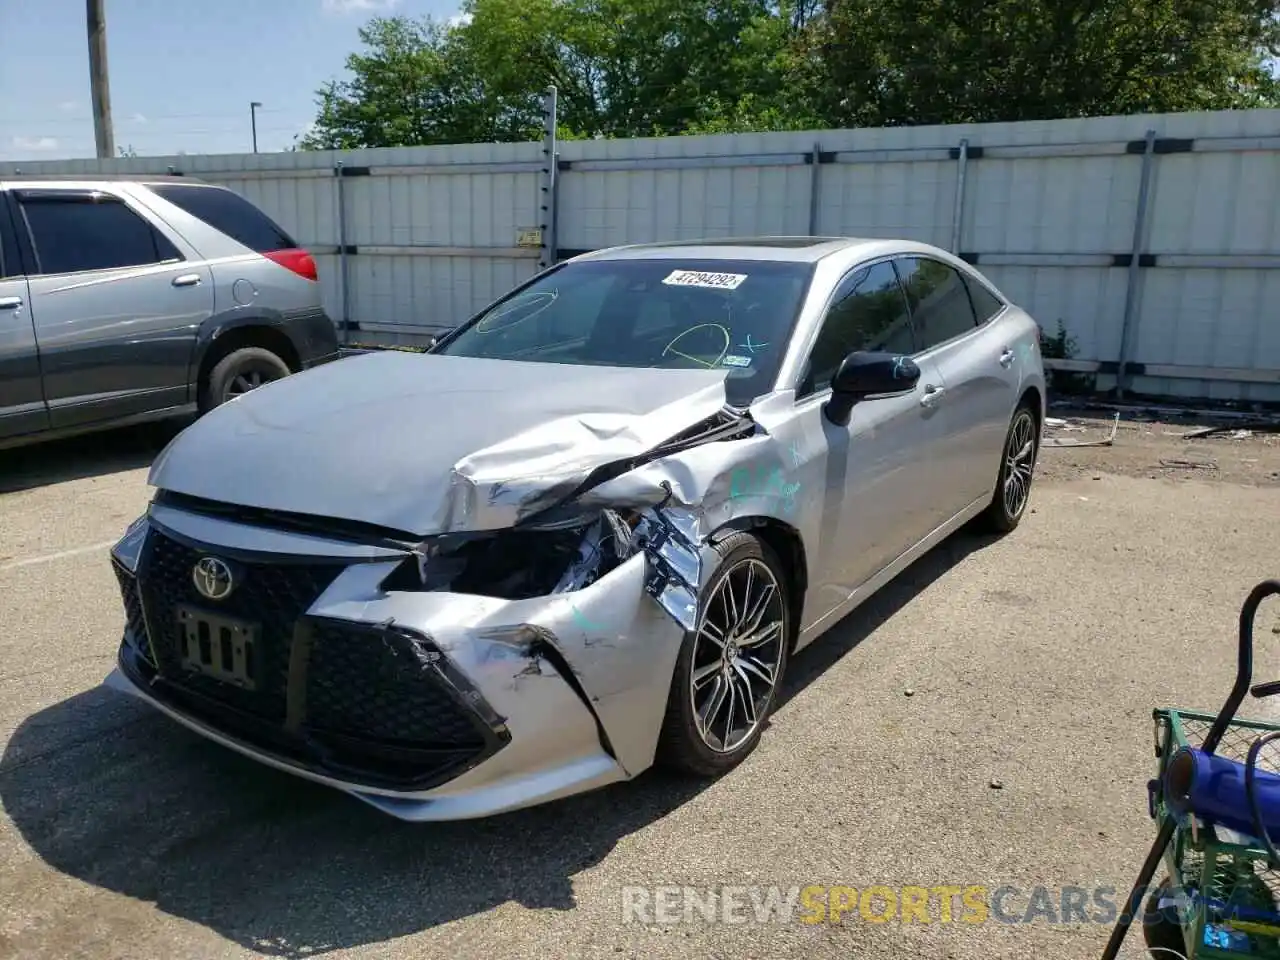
737,655
1019,462
248,380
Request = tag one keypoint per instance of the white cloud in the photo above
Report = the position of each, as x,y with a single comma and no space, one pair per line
360,6
40,144
137,118
459,20
67,106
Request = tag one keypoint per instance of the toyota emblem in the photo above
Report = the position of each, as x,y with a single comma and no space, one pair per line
212,578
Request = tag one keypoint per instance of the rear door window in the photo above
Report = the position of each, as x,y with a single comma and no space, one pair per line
77,231
940,307
228,213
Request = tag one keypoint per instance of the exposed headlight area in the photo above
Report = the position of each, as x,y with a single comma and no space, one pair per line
521,563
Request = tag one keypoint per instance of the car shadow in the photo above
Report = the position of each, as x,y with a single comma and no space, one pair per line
108,792
88,455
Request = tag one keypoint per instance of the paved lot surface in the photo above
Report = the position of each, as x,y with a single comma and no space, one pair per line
1033,662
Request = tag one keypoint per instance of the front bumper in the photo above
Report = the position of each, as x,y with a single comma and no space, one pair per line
429,706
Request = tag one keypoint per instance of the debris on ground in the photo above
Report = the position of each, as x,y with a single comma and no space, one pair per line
1068,425
1240,432
1190,464
1141,445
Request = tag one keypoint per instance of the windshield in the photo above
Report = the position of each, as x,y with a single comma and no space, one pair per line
734,315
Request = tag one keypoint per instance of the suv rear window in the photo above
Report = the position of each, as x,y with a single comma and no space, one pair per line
228,212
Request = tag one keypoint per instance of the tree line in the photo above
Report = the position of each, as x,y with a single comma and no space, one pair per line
635,68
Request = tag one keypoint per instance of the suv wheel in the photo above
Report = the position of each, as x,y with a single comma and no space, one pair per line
239,372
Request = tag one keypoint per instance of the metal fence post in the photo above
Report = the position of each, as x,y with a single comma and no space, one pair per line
815,160
1129,323
957,217
342,251
550,179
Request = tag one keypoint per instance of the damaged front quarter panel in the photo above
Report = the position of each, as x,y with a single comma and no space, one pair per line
577,616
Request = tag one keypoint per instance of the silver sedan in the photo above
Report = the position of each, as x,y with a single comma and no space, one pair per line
585,531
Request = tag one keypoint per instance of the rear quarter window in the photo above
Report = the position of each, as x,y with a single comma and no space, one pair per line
985,303
228,213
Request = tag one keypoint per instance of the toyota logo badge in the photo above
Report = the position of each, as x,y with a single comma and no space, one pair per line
213,578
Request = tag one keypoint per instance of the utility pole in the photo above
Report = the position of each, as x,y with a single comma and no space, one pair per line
100,92
253,122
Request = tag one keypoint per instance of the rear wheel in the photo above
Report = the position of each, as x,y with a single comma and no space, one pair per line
1017,465
239,372
731,664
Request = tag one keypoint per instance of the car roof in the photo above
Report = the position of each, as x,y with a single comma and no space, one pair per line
791,249
34,179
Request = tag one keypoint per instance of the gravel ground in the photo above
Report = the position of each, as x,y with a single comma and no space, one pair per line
1031,663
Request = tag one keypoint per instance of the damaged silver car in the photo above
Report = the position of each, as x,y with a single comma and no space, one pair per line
586,531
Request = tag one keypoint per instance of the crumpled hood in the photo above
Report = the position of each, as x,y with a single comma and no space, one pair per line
429,444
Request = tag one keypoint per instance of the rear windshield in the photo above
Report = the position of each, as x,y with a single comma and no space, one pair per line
734,315
228,212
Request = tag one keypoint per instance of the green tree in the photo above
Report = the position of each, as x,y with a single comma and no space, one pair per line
627,68
889,62
622,68
415,83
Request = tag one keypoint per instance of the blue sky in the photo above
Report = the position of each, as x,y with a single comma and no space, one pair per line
182,73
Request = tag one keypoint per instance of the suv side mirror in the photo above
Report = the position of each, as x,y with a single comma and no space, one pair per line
864,374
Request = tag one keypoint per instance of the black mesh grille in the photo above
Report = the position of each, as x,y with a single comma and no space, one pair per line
133,609
378,704
382,686
272,595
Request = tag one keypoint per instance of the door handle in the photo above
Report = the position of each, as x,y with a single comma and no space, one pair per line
10,303
932,394
186,280
1006,358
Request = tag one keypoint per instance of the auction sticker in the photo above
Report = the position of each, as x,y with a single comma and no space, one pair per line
696,278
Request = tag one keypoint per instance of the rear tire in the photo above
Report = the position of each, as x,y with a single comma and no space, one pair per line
239,372
731,664
1017,468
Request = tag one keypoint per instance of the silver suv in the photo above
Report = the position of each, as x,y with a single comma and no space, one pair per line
129,300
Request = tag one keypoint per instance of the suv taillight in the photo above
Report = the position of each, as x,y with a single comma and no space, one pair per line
299,261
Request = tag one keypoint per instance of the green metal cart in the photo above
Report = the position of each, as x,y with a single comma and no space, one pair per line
1221,897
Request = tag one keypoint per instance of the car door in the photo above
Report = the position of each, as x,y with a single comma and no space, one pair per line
22,407
117,301
880,482
978,379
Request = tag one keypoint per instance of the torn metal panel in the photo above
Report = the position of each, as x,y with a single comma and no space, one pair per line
670,541
430,444
617,643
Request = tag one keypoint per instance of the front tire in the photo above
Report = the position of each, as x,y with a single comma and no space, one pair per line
239,372
731,664
1017,467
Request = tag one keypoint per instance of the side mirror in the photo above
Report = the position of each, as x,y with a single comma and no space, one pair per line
864,374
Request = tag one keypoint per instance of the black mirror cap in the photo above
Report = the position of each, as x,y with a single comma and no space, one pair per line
866,373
